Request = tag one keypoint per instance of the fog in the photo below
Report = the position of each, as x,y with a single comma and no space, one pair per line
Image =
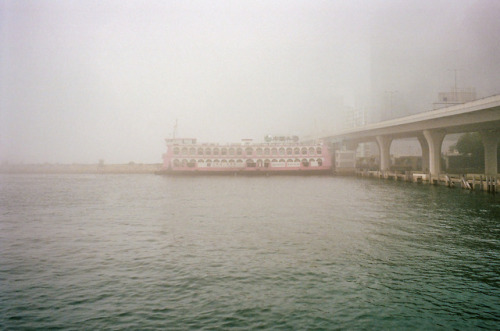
82,81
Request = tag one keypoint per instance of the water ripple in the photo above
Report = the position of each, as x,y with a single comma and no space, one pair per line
148,252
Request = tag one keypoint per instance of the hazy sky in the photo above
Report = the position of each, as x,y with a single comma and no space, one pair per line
87,80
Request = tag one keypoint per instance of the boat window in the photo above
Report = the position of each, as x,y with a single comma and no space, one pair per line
208,151
305,163
274,160
297,160
184,163
176,151
251,163
184,151
201,161
296,151
282,151
248,151
320,162
259,163
266,163
239,151
267,151
216,151
318,150
288,151
231,162
289,160
304,150
192,151
231,151
259,151
311,150
223,151
274,151
282,160
200,151
176,163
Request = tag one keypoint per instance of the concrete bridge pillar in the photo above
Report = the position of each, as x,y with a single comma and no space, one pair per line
434,140
384,147
425,152
490,143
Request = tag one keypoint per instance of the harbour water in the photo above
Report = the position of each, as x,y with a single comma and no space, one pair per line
151,252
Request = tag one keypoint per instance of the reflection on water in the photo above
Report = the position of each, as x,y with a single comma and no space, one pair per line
144,251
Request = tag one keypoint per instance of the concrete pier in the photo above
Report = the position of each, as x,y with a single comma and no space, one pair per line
473,182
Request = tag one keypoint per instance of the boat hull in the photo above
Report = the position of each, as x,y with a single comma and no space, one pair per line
259,172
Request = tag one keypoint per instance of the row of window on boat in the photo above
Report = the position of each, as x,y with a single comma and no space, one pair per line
248,151
249,163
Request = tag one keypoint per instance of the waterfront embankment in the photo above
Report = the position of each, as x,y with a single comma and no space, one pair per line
49,168
476,182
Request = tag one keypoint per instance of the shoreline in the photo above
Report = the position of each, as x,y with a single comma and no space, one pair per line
47,168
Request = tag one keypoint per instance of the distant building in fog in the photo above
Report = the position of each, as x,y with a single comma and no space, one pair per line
455,96
411,147
357,118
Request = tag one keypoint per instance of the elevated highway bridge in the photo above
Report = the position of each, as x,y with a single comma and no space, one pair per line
430,128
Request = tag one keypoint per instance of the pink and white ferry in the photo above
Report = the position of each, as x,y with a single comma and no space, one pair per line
278,155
